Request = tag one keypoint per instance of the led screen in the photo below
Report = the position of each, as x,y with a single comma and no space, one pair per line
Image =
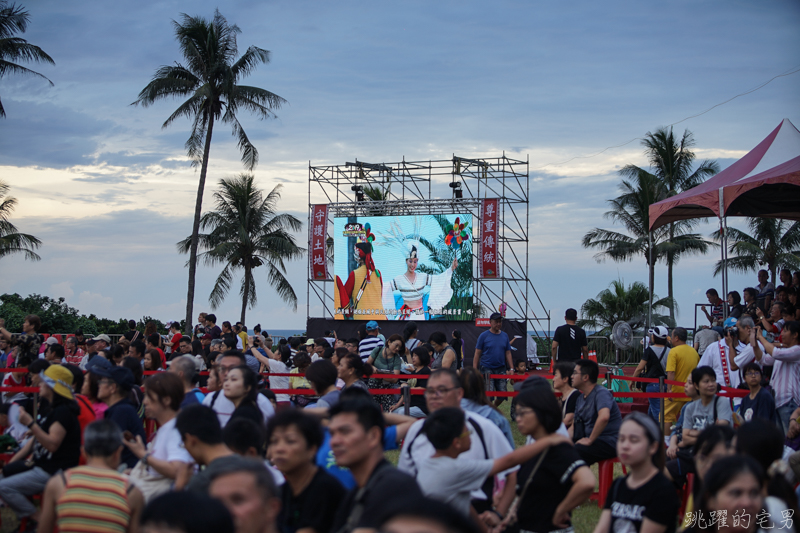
403,267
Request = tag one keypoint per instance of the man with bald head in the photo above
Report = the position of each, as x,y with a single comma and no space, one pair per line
186,369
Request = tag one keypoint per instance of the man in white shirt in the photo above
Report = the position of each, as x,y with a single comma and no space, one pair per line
486,440
731,353
222,405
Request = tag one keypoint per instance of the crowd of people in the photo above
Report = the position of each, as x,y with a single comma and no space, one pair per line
224,430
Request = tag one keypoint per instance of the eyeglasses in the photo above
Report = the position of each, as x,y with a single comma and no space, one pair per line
522,412
441,391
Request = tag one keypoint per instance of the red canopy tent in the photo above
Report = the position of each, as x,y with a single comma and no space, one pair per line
763,183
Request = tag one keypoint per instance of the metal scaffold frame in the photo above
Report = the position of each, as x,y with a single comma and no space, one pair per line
406,190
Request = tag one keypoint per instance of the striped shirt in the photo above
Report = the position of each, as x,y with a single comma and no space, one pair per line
785,379
366,346
95,499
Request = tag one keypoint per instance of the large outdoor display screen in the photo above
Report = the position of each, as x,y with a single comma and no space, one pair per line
403,267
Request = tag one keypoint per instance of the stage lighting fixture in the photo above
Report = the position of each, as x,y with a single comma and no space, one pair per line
359,190
457,192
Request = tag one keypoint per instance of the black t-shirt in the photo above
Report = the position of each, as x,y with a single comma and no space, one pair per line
315,507
656,361
249,411
655,500
418,400
570,341
130,334
572,400
69,452
125,416
389,492
548,488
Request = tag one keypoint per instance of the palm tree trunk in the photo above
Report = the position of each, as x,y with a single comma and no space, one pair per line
247,272
198,208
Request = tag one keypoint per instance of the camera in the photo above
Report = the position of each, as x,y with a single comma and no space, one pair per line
733,331
28,348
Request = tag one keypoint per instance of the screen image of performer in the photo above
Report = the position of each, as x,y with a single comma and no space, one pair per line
413,293
361,295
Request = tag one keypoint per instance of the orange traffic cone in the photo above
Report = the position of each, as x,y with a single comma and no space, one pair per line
552,362
593,356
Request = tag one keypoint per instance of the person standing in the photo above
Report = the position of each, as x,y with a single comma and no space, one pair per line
785,364
371,341
682,359
493,356
569,341
653,366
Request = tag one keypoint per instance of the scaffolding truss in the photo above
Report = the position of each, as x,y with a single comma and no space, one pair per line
409,188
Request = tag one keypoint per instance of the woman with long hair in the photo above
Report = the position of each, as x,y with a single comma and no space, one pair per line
475,400
410,339
553,483
420,359
784,368
90,389
644,499
241,388
735,307
152,360
733,486
387,359
352,370
214,381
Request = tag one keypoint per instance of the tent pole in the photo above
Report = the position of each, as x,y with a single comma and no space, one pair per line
723,232
649,281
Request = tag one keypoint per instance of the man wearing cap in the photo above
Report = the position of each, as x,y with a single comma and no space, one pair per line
653,365
371,341
493,356
681,360
309,347
569,341
101,343
55,446
113,386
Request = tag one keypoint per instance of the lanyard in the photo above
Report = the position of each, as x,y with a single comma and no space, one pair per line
724,358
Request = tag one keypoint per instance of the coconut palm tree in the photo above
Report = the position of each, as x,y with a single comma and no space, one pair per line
620,303
772,243
14,19
671,162
11,240
246,233
210,84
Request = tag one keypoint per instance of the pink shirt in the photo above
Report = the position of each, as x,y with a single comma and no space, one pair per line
785,380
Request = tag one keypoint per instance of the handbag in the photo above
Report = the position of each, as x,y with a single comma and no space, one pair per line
17,467
511,516
150,485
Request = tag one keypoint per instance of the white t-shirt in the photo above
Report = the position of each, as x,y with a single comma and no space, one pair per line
279,382
711,357
224,407
421,449
168,446
453,480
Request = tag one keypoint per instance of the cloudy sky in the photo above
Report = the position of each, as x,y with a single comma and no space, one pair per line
110,193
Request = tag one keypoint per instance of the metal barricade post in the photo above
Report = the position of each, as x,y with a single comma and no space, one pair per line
407,400
661,400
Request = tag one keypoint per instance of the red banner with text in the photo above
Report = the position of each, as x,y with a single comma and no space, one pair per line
316,241
488,249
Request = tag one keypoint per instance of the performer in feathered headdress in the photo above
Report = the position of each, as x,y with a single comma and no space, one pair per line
412,293
360,296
